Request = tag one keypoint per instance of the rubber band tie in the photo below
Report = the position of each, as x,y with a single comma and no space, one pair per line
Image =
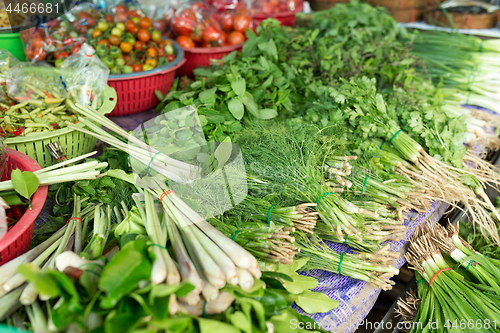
340,262
470,263
236,232
395,134
151,161
437,273
324,195
269,214
158,245
204,313
383,142
363,189
75,218
164,194
421,280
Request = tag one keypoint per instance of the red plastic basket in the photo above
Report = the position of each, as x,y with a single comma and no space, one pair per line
286,18
136,91
17,240
200,57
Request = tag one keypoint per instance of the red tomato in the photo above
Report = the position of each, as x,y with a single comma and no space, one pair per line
242,23
49,41
235,37
242,10
197,34
282,7
185,42
161,52
143,35
108,18
76,48
268,8
226,20
145,23
29,52
152,52
139,46
137,68
38,43
214,36
121,17
127,58
52,24
131,27
120,9
62,55
184,23
39,54
82,16
132,13
68,41
34,32
25,35
170,57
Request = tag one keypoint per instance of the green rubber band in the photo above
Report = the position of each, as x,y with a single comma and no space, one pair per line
204,313
363,189
157,245
324,195
91,272
467,101
345,240
421,280
383,142
470,263
395,134
233,236
151,161
269,214
340,262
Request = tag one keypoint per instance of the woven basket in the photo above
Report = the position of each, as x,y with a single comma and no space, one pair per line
462,20
73,142
398,4
325,4
407,14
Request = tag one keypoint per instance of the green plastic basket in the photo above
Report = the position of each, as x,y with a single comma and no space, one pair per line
11,41
74,143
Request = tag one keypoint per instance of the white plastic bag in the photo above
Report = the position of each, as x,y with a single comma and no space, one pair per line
85,76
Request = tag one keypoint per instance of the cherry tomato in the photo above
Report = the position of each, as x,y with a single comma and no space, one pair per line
139,46
156,36
40,54
114,39
197,34
170,57
120,9
62,55
161,52
108,18
161,26
151,62
131,27
96,33
145,23
235,37
137,68
226,20
104,42
25,35
168,42
152,52
29,52
143,35
132,13
68,41
34,32
184,23
76,48
38,43
126,47
242,11
214,36
185,42
127,58
121,17
161,44
242,23
49,41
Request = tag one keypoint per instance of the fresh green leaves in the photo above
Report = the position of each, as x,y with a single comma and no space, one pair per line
236,108
24,182
314,302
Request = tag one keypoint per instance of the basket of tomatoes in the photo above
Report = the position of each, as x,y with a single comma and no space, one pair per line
281,10
203,38
21,217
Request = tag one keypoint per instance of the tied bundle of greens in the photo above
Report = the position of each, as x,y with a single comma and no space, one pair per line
456,285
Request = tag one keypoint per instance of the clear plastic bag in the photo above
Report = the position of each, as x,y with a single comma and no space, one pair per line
162,13
35,83
122,11
85,76
7,60
273,7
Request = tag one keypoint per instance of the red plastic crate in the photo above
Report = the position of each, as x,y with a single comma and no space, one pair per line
137,94
18,239
200,57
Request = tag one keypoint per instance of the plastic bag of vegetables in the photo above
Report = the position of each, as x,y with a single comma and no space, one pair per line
85,75
36,84
7,60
